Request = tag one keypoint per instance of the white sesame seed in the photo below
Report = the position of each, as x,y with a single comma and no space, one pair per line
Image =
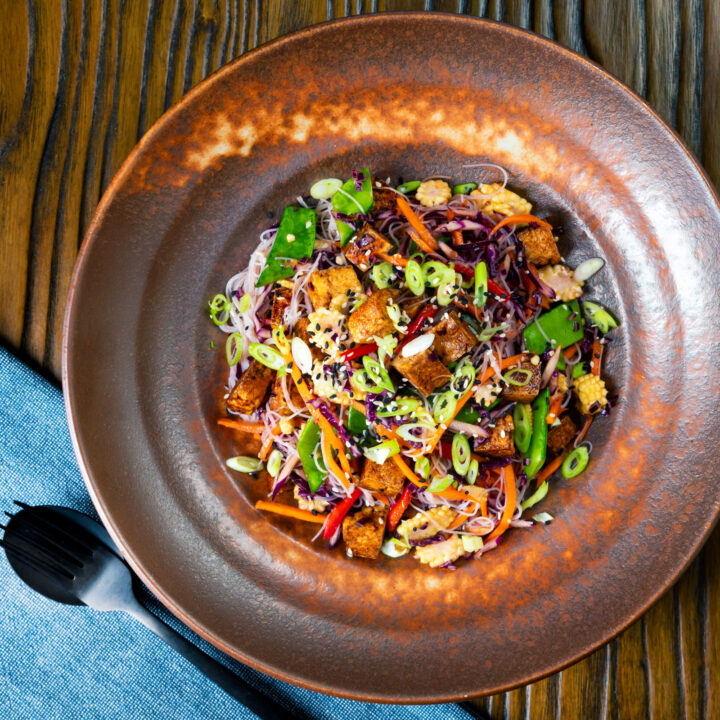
290,237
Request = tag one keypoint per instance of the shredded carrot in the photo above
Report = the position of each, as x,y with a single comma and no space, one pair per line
420,242
549,469
554,409
327,452
456,234
584,429
244,425
510,502
449,493
290,511
359,407
504,364
416,222
382,498
515,219
397,260
597,353
568,352
544,303
265,449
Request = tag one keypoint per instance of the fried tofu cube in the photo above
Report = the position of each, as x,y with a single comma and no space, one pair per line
386,478
280,300
277,401
251,388
501,443
372,318
523,393
453,338
540,246
423,370
324,285
366,243
384,197
560,435
363,532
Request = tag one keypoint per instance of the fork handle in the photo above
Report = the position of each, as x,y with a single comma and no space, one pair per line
262,705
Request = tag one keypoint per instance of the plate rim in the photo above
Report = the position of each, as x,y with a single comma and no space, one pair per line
90,237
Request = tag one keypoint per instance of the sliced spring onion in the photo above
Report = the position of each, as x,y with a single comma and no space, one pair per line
599,316
393,312
575,462
446,293
301,355
408,187
444,407
437,273
399,406
536,497
244,464
462,282
383,275
219,309
464,188
274,462
394,548
407,431
234,346
441,483
481,286
278,336
377,374
386,346
326,188
380,453
422,468
418,345
472,472
360,378
522,420
543,518
266,355
487,333
510,377
243,303
461,455
585,270
463,379
414,277
471,543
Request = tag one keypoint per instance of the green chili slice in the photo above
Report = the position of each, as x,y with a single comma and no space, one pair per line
461,455
266,355
399,406
575,462
523,427
463,379
440,483
376,373
380,453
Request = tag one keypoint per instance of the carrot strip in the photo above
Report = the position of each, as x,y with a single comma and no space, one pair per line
332,465
554,409
456,234
597,353
397,260
549,469
244,425
290,511
568,352
515,219
510,502
583,430
449,493
420,242
504,364
416,222
265,449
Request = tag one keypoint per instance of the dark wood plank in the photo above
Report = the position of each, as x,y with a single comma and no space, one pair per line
83,81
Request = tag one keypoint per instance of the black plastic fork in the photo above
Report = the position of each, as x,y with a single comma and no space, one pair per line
69,557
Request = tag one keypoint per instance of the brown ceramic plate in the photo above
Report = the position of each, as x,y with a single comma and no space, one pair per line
184,212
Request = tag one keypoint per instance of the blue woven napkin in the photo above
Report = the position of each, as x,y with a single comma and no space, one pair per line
59,662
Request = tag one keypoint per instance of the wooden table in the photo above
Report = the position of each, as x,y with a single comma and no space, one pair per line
81,81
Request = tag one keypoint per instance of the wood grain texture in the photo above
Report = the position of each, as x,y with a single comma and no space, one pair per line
82,80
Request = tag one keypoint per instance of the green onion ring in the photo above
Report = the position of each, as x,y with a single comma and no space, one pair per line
266,355
575,462
444,407
414,278
461,454
510,380
234,346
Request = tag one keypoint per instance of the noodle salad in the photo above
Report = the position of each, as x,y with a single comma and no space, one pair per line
414,362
